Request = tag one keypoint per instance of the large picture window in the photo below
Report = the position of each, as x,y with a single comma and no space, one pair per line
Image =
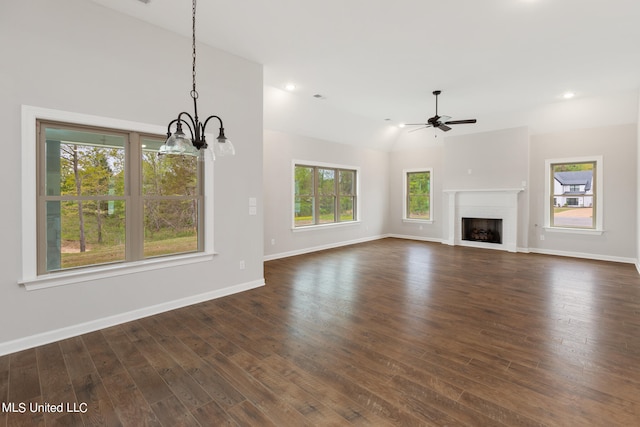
574,194
417,195
105,196
324,195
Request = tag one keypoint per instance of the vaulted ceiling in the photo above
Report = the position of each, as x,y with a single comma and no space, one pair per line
377,60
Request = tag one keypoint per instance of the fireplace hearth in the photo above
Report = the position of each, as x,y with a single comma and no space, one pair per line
486,230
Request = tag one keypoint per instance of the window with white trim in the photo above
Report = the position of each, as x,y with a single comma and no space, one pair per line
573,189
324,195
105,196
418,199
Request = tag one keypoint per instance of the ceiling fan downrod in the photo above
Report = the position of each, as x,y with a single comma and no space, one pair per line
436,93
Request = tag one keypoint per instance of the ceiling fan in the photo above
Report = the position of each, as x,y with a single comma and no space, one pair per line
440,122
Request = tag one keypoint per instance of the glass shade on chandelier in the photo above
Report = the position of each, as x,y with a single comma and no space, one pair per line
178,143
195,144
223,146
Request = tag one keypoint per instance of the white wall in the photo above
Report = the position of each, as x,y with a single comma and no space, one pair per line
280,150
617,145
77,56
430,155
637,192
495,159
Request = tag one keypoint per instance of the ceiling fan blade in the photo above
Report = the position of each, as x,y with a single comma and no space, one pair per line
444,127
417,124
444,118
420,128
460,122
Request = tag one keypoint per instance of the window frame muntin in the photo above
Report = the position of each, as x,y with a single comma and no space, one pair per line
29,277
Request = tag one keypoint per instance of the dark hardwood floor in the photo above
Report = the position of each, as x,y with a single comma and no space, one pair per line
391,332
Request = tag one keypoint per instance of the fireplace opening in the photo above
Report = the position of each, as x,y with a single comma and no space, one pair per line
482,230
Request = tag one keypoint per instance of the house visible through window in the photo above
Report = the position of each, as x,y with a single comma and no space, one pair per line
105,196
324,195
417,192
574,194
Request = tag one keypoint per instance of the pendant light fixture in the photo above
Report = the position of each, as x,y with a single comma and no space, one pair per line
178,142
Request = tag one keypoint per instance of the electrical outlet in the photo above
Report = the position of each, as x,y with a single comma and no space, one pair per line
273,242
542,237
242,265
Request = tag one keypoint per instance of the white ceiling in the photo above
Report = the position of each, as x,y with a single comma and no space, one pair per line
382,59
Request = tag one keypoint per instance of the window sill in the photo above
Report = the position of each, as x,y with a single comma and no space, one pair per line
324,226
417,221
114,270
593,232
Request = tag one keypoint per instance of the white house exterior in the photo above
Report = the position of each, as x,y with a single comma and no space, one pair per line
573,189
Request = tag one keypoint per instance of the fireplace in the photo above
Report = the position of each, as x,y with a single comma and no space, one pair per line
487,230
495,212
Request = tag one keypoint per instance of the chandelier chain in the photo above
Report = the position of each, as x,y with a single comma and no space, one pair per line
194,93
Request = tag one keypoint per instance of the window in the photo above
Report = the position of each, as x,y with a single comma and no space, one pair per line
574,194
33,208
417,191
105,196
324,195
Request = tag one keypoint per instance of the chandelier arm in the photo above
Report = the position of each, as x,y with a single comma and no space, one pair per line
191,127
209,118
169,127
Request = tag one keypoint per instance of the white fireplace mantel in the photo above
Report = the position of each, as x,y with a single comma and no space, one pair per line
490,203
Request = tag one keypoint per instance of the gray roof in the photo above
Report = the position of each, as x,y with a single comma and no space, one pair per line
575,178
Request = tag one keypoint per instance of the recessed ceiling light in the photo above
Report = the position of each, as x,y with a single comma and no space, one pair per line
568,95
401,125
290,87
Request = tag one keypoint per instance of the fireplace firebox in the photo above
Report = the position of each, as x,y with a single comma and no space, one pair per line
488,230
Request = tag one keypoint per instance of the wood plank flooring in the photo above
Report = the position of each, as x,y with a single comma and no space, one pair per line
391,332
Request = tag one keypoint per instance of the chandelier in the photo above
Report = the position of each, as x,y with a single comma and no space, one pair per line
177,141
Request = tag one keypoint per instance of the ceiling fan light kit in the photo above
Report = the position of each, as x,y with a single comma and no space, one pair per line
441,122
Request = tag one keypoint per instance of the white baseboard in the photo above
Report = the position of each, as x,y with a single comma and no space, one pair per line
322,247
583,255
94,325
597,257
419,238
